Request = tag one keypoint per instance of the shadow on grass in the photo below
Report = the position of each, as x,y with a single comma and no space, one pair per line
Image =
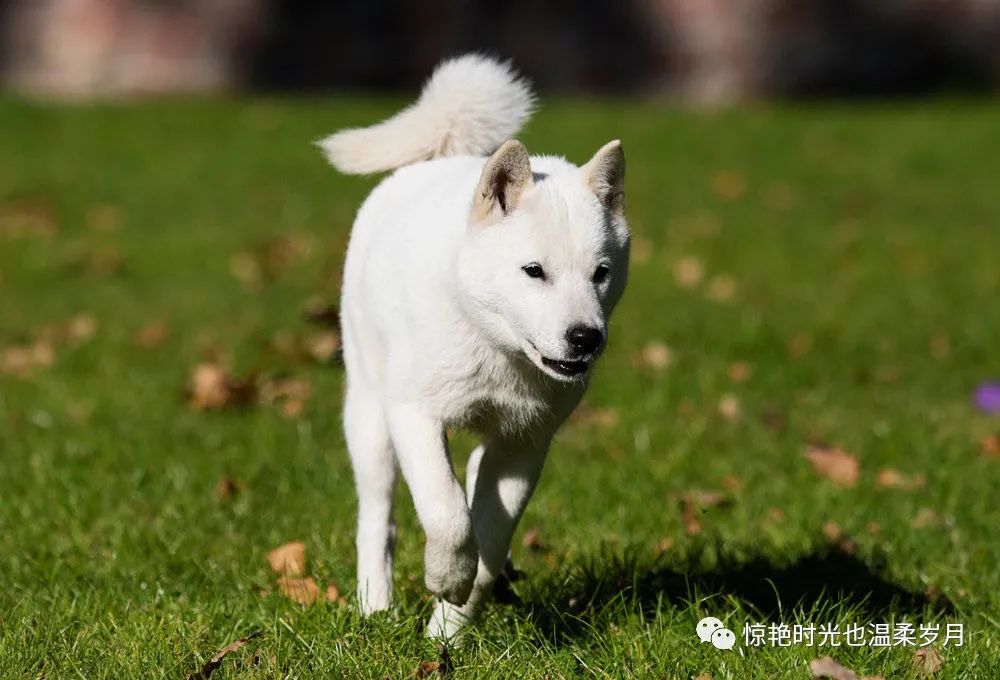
572,604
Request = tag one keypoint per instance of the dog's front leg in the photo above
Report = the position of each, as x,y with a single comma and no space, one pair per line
506,472
450,554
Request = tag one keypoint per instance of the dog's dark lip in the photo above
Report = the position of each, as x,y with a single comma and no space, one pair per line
570,369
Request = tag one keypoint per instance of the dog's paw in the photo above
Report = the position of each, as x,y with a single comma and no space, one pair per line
447,624
450,568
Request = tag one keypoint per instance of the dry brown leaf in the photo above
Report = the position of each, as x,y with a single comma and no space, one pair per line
990,446
152,335
532,540
927,661
333,594
721,288
729,407
288,559
889,478
323,346
704,676
692,525
426,669
925,517
212,388
27,217
729,185
826,667
227,488
302,590
22,360
732,483
656,355
665,544
834,534
740,371
640,250
835,464
604,418
209,667
688,272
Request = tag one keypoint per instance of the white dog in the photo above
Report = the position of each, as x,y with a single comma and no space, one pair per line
476,294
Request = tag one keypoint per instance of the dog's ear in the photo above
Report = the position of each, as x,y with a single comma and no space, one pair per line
506,175
605,175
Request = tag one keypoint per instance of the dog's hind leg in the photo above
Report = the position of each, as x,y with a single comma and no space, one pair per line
505,475
374,464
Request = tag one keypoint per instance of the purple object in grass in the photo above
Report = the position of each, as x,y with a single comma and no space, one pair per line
988,397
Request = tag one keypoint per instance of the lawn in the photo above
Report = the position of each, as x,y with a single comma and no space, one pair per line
805,280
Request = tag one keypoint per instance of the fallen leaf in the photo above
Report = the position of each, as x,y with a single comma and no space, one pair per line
27,217
302,590
927,661
740,371
721,288
152,335
729,185
990,446
604,418
640,250
925,517
333,594
288,559
729,407
22,360
834,464
323,346
888,478
443,665
704,676
732,483
656,355
692,525
209,667
834,534
426,668
826,667
227,488
688,272
212,388
532,540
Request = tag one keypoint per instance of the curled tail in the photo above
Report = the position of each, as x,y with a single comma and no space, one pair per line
469,106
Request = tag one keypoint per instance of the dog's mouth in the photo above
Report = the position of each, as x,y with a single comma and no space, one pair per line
569,369
566,370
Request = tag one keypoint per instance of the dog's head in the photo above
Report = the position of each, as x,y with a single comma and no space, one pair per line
546,256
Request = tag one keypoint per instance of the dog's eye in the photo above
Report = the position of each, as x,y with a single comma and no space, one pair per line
534,270
601,273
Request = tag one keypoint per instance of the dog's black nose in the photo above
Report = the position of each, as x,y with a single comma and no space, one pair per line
584,339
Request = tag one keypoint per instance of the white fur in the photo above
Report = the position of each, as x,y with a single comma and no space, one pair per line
442,327
469,106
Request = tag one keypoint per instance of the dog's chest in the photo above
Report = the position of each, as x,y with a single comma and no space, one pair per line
499,399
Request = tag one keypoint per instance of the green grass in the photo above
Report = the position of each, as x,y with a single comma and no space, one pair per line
863,244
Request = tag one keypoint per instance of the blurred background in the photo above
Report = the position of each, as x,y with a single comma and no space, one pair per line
703,51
